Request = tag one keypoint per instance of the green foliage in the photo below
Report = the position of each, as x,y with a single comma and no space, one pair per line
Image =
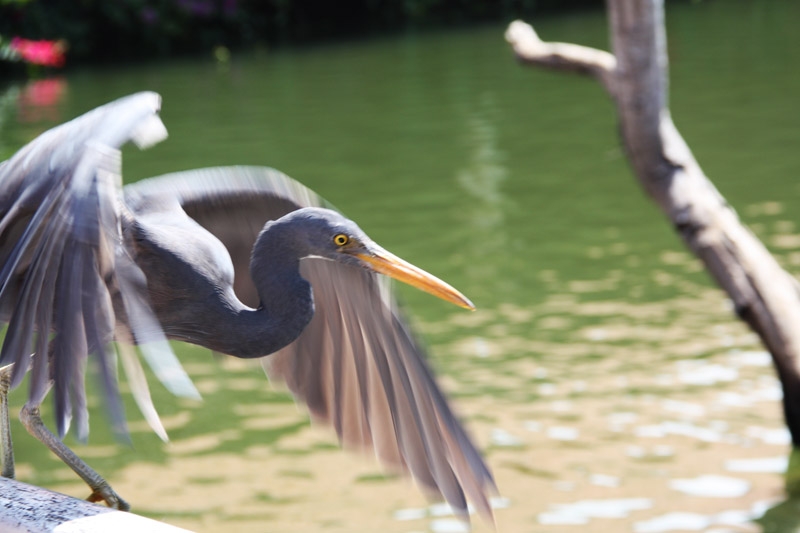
103,30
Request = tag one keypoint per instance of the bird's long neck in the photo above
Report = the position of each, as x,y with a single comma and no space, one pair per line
286,305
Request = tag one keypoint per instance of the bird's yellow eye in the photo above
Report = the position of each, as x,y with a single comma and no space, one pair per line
341,239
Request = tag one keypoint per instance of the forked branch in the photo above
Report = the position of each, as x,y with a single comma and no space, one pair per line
529,48
764,295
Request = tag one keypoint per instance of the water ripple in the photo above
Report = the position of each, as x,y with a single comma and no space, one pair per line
712,486
580,512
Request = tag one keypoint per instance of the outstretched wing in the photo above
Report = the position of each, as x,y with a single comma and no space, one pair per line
61,258
356,365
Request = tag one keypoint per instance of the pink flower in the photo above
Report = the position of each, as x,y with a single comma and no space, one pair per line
38,101
48,53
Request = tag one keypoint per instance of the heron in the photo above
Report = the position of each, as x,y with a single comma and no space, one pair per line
241,260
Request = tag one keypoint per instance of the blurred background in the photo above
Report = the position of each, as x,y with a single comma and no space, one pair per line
604,376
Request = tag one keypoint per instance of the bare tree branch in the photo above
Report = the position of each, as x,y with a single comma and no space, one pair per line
529,48
764,295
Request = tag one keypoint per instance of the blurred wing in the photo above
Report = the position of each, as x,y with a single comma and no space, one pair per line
356,365
60,245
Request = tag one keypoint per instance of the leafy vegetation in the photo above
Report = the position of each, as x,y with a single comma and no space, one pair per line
99,30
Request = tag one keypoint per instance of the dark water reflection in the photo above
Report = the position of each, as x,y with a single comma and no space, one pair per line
602,374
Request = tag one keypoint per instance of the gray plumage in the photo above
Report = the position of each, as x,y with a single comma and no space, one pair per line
170,257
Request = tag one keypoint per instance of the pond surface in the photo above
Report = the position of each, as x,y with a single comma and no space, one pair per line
604,377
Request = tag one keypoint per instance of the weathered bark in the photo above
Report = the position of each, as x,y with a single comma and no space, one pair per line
28,509
635,76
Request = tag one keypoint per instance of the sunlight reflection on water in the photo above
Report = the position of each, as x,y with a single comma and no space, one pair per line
710,486
773,465
581,512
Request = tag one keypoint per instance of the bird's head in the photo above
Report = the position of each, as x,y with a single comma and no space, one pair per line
329,235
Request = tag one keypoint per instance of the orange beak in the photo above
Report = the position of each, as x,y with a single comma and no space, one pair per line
389,264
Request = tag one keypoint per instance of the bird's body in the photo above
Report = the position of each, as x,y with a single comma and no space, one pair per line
189,268
241,260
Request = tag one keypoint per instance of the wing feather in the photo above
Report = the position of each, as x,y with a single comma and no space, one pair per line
357,366
59,239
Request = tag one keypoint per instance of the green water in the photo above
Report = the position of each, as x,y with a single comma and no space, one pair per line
509,183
